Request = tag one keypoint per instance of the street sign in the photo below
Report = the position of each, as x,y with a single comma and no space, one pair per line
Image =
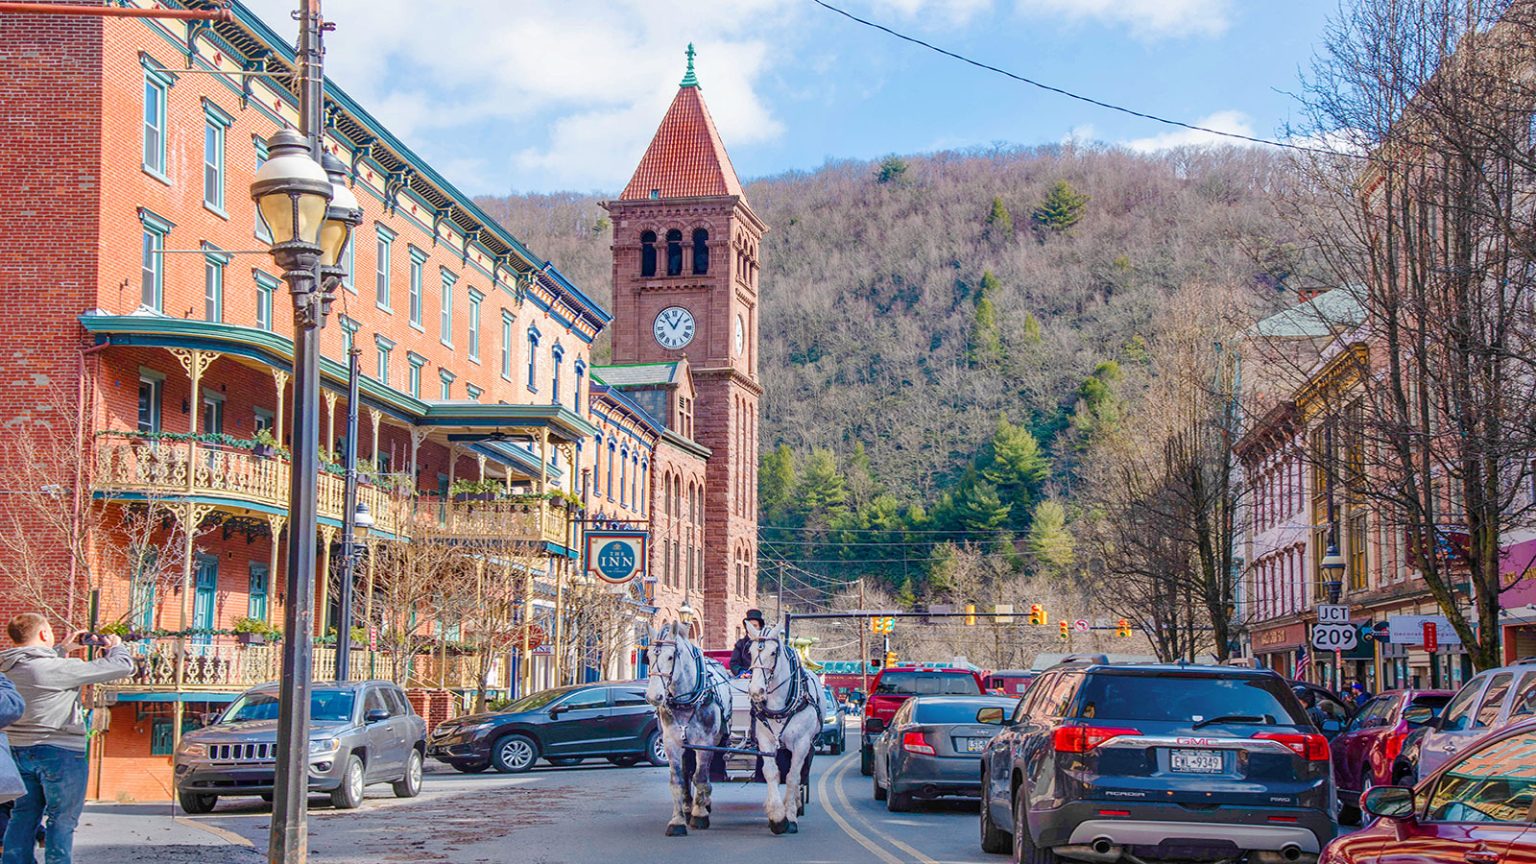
1080,625
1334,614
1334,637
1431,637
616,557
373,637
1409,629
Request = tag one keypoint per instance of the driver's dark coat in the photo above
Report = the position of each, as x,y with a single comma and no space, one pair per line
741,655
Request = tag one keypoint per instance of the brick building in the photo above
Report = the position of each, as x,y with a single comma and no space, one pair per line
149,338
685,271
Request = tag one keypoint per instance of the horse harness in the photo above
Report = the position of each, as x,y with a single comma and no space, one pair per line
799,697
703,693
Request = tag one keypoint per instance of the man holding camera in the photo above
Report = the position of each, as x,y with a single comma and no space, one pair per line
49,740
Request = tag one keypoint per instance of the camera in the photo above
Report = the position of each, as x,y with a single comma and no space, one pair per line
93,640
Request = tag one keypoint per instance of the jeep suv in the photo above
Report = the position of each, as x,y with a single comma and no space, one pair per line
360,732
896,685
1176,762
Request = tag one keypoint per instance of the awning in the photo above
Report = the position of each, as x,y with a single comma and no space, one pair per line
199,696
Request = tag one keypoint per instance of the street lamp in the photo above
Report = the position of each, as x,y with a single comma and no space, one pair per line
685,614
293,193
1333,566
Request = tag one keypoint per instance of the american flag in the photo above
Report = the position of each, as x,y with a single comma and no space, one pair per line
1303,660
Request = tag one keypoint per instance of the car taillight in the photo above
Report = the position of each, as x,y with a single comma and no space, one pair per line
1393,745
1081,739
1310,745
914,742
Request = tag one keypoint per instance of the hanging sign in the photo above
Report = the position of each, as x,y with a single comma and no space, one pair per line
616,556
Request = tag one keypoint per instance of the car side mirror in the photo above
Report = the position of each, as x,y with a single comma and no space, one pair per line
1389,802
374,715
990,716
874,725
557,711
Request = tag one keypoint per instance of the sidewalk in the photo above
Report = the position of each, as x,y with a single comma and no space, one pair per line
149,833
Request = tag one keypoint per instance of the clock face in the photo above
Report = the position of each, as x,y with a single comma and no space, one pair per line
741,335
673,328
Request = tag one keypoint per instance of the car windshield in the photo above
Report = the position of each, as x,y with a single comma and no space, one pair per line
1184,698
534,701
1434,703
928,684
941,711
324,705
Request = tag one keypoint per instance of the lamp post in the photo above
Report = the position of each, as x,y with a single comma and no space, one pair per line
685,614
294,195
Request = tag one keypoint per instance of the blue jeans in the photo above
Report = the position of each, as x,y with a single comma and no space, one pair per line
55,780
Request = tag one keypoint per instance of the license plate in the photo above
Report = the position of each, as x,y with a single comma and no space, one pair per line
1195,761
975,745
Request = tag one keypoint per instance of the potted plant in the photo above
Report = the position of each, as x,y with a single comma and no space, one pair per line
263,444
251,631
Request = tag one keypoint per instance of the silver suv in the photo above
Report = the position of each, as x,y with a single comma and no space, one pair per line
1490,700
360,733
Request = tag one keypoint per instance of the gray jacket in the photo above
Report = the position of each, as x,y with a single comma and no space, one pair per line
51,684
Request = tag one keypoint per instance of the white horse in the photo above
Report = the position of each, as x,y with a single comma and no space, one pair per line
692,695
786,714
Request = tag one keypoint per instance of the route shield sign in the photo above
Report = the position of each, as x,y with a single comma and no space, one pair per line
1335,637
616,557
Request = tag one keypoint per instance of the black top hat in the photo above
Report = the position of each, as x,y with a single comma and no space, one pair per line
755,615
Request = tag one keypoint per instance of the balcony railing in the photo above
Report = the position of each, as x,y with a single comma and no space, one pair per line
128,463
223,666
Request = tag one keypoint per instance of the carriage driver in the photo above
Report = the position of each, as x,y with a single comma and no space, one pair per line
741,655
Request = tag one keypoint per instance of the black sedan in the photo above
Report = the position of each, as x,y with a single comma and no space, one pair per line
563,726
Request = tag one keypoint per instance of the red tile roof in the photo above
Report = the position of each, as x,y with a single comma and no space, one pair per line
686,158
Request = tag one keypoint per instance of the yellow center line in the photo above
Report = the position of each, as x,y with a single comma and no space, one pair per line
917,856
857,835
842,770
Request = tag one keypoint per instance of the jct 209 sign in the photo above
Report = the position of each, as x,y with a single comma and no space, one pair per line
616,556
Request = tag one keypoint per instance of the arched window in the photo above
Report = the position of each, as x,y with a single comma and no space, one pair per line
700,251
647,253
624,477
597,465
613,453
674,252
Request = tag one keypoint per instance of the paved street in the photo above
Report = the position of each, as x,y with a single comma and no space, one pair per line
550,816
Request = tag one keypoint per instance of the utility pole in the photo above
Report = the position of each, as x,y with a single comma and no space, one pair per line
779,613
863,654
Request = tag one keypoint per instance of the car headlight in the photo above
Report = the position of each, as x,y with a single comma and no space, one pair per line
193,749
324,745
476,727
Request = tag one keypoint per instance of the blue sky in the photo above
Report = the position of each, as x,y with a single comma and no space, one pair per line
546,95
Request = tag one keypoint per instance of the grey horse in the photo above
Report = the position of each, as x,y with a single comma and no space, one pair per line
692,695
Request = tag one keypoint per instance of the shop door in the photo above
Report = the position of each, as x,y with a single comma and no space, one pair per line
203,600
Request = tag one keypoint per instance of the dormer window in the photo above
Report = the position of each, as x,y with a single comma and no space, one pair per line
674,252
648,253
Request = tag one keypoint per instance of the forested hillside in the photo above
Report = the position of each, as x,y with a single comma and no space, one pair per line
943,336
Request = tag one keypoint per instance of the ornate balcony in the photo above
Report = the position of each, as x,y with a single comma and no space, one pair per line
133,465
224,666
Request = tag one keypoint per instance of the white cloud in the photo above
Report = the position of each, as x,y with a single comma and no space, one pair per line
1235,122
950,12
593,78
1080,135
1150,19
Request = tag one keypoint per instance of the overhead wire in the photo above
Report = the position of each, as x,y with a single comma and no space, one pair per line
1061,91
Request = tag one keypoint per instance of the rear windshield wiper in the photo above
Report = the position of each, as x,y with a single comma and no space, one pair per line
1234,718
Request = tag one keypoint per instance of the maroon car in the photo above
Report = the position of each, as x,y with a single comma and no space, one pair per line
1477,809
1364,753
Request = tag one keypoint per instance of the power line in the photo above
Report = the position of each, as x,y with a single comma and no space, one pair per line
1079,97
966,531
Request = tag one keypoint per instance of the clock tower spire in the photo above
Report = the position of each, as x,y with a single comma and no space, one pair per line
685,285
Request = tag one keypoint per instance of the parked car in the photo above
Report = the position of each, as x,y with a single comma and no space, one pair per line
1491,699
1157,761
1009,682
563,726
834,734
895,685
932,747
360,733
1475,808
1367,752
1333,713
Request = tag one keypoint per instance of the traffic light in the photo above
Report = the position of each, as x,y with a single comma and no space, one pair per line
1037,615
1064,629
886,624
1124,628
970,614
874,625
890,659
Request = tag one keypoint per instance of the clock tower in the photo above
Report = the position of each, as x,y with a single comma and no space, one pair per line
685,284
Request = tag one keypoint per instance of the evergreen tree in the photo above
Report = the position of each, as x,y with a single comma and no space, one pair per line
861,483
1061,209
822,490
1031,329
893,169
1049,540
999,220
1015,466
986,343
1097,412
976,505
776,482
